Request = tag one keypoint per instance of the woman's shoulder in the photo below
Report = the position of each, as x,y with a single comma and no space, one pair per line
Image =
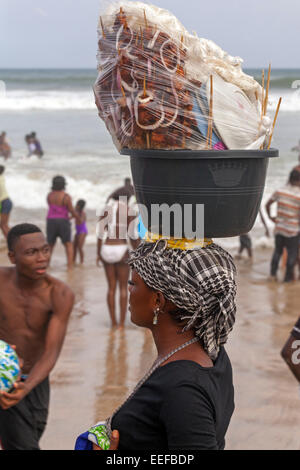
190,370
178,373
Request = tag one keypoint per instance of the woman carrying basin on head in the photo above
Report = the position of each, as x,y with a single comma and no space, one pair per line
186,298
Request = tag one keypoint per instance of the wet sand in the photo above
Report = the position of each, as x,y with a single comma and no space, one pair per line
98,367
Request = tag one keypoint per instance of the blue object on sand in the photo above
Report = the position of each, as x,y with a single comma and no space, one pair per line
141,228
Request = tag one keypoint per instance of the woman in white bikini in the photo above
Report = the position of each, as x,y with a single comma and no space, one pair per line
112,251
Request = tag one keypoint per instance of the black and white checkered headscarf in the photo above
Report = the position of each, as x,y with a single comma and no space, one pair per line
201,282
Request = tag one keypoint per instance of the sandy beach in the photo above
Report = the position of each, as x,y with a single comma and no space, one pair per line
98,367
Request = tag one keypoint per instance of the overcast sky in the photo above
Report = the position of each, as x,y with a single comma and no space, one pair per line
62,33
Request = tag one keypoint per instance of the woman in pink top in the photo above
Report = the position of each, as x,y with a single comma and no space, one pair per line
58,218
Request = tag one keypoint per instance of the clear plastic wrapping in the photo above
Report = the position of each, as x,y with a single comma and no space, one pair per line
159,87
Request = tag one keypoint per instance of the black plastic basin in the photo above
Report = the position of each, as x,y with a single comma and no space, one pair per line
229,184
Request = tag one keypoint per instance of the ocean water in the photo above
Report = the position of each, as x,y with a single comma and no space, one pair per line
59,106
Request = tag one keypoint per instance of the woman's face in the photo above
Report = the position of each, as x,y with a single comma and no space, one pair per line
141,301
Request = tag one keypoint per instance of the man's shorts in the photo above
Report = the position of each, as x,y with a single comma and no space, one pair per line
6,206
22,425
60,228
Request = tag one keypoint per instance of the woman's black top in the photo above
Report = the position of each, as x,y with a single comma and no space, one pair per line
181,406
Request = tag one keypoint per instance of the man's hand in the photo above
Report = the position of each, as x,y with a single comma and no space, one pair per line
114,441
11,399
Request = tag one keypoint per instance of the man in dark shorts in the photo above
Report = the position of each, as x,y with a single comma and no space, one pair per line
34,313
291,351
287,225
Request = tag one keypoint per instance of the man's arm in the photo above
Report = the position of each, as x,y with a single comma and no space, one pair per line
71,209
268,207
264,223
62,304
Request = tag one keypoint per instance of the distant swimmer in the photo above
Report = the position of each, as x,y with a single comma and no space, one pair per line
30,145
38,148
34,312
81,231
297,149
5,149
126,190
34,146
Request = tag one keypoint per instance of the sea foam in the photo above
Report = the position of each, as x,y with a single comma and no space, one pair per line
23,100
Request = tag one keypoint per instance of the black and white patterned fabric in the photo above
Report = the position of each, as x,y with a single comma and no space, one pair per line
201,282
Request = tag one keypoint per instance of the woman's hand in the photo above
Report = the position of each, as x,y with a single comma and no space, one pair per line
114,442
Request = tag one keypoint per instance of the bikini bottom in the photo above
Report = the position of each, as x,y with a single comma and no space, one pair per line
113,253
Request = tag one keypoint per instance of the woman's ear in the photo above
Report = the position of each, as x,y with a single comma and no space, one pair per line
160,301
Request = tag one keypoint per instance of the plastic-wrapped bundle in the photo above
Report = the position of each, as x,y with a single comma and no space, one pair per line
160,87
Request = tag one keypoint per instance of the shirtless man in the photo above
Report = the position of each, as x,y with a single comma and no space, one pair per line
34,313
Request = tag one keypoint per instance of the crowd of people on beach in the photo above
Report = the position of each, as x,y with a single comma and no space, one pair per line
186,298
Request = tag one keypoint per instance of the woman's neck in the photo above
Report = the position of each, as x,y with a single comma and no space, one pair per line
165,343
168,339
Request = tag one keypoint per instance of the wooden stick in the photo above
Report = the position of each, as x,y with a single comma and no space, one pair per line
274,122
145,92
209,127
123,92
262,93
211,107
146,24
267,90
142,39
148,139
102,27
262,102
121,14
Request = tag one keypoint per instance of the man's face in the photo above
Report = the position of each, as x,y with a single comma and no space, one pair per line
31,255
